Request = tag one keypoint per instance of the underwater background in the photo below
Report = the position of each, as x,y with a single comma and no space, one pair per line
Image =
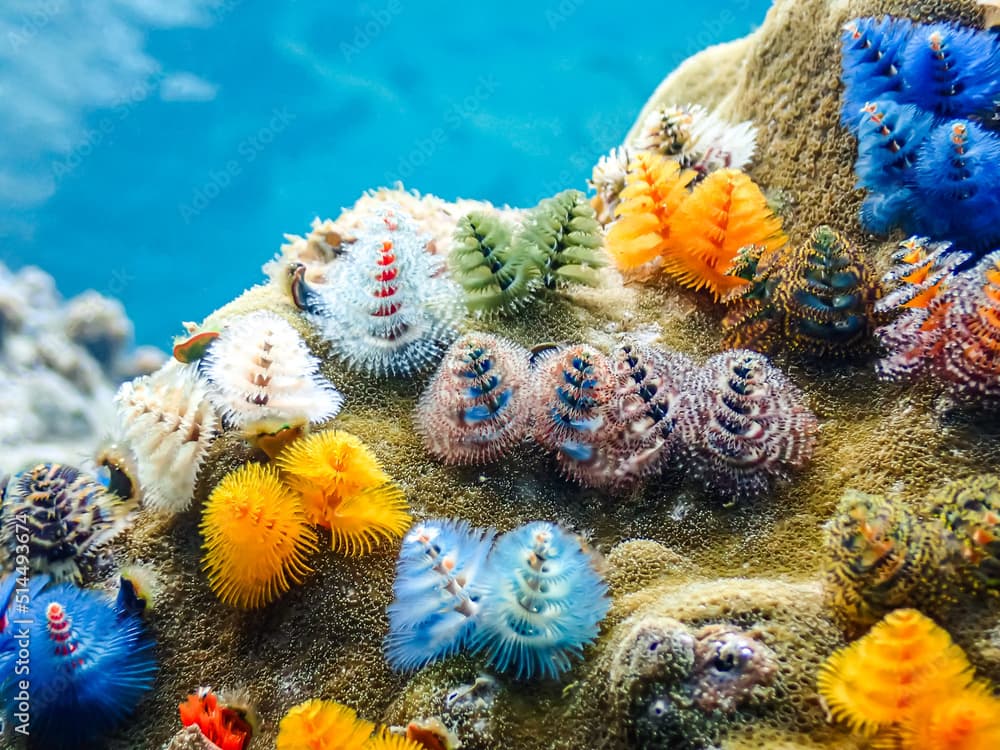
155,150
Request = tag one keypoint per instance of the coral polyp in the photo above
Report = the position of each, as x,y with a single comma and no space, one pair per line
90,664
543,601
475,409
261,371
389,309
496,277
323,725
654,189
344,489
731,667
60,522
746,424
256,538
725,212
571,393
438,592
168,423
904,664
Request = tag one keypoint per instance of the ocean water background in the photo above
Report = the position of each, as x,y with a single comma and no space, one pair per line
157,150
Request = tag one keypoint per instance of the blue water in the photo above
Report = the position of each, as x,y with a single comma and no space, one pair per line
157,150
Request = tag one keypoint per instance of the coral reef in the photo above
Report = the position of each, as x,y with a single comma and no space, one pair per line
730,596
61,361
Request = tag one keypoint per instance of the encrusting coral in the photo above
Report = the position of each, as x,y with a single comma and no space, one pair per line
256,537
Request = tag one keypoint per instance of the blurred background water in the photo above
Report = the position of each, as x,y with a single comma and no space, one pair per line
157,150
